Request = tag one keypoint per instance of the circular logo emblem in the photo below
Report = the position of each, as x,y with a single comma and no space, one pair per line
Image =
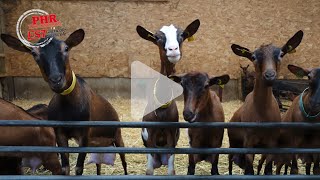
36,30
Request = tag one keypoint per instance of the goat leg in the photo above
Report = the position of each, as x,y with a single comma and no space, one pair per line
62,141
230,156
268,167
192,165
278,169
150,162
248,143
249,164
82,156
51,162
98,169
316,169
261,161
286,169
308,168
214,168
294,166
171,170
119,143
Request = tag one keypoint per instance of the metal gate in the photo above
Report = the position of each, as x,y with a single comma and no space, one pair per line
160,150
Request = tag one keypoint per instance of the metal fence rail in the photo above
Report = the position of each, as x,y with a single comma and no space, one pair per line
45,123
42,149
137,177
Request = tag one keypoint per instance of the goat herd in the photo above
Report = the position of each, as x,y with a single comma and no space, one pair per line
74,100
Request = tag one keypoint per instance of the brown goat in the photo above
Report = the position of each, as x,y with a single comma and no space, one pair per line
169,39
247,78
73,101
12,165
260,105
202,105
26,136
40,111
304,108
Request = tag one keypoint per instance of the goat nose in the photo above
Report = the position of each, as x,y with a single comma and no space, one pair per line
270,74
188,115
173,48
55,78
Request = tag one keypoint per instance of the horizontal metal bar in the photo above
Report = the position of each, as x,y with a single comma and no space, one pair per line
182,177
45,123
42,149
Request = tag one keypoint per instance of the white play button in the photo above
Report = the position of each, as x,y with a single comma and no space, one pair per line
150,90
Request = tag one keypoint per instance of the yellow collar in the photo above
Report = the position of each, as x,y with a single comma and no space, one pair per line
163,106
73,84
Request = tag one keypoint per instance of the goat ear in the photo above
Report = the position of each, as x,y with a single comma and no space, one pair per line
191,29
176,78
241,51
219,80
145,34
14,43
298,71
75,38
292,43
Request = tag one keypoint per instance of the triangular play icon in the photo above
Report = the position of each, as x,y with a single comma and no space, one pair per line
150,90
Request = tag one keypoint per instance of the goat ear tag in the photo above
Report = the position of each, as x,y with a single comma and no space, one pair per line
191,38
299,74
243,51
290,50
149,35
220,83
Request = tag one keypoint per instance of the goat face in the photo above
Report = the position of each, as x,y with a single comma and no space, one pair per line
245,70
52,59
169,39
196,91
314,85
267,58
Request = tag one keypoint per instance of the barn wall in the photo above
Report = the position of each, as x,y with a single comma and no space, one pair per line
111,42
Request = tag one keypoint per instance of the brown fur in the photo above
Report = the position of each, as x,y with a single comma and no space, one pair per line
303,138
202,105
260,105
40,111
248,78
82,104
164,137
27,136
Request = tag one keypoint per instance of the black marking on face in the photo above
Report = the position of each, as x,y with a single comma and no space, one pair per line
162,39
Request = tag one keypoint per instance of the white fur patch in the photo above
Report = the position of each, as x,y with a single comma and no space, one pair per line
150,167
145,134
171,165
189,139
172,44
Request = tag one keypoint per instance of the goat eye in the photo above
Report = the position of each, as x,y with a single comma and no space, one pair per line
281,54
66,49
309,77
254,57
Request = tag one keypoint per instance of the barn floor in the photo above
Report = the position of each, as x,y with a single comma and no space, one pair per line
132,138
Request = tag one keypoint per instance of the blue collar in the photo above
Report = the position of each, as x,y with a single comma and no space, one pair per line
301,106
